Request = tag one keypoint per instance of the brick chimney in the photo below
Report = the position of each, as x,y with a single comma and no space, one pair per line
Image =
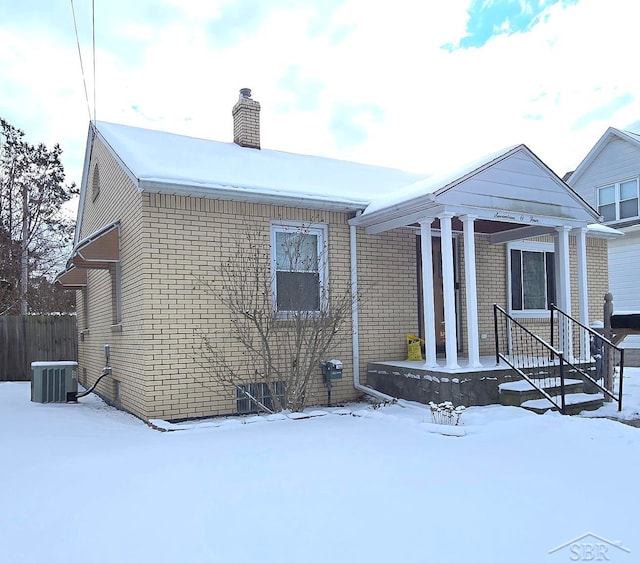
246,121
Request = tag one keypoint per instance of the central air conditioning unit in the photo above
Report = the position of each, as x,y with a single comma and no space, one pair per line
54,382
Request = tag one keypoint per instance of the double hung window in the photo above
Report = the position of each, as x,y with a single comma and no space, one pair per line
532,278
298,257
618,201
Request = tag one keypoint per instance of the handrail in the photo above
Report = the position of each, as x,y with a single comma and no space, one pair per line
539,362
594,333
604,354
533,334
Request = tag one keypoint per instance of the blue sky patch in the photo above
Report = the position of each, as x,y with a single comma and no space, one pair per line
604,112
305,91
241,18
346,123
489,18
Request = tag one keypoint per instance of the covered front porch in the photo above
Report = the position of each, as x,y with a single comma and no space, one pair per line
532,229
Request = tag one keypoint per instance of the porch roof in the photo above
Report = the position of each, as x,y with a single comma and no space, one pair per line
100,250
72,278
507,190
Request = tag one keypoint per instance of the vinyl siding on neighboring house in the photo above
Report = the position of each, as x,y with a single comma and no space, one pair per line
618,160
624,260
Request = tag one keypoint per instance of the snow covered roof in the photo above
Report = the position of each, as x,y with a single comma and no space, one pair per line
434,184
509,186
170,163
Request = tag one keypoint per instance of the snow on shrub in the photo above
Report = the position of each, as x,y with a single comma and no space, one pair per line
446,413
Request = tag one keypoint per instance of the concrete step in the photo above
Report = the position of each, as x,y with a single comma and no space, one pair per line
514,393
575,403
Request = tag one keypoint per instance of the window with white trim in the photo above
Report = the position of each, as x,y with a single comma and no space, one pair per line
299,266
618,201
531,278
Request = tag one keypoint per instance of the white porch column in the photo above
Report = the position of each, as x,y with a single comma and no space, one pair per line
428,308
583,291
449,291
563,287
471,291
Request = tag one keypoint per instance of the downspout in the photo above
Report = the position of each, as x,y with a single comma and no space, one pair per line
354,323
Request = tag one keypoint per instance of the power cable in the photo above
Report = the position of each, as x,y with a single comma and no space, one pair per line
84,81
93,28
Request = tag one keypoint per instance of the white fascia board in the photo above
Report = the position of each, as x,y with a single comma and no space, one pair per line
378,223
83,182
387,222
231,193
597,230
525,219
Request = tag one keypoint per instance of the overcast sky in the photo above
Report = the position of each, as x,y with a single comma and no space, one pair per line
422,85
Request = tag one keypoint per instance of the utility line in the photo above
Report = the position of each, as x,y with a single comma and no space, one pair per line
93,26
84,81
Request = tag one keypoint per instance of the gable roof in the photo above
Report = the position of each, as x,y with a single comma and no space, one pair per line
512,185
163,162
609,134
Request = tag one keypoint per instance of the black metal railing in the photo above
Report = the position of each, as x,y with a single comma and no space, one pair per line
591,356
539,363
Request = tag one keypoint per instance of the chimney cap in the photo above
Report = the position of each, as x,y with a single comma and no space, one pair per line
245,92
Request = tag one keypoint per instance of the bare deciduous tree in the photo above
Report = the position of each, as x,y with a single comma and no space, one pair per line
34,232
282,341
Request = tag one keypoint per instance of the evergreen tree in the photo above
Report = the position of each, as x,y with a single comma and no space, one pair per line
34,232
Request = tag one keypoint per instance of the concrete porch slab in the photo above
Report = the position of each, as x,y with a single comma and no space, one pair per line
468,386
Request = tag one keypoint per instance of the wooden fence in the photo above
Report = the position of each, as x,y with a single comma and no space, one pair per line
32,338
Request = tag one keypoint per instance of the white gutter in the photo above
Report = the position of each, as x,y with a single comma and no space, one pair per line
354,324
249,194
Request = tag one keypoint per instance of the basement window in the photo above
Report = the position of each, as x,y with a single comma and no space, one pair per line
260,391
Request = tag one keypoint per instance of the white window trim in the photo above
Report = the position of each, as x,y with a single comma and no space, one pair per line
321,231
531,246
617,199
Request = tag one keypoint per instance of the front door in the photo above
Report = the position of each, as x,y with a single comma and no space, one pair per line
438,297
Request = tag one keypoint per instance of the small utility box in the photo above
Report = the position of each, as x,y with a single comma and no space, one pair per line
54,382
331,369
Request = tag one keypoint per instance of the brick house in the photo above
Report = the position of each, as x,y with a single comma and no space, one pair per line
158,210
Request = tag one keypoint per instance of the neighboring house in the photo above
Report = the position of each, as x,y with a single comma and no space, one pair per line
608,179
158,211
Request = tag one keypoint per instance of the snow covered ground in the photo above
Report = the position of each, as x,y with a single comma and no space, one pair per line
87,483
